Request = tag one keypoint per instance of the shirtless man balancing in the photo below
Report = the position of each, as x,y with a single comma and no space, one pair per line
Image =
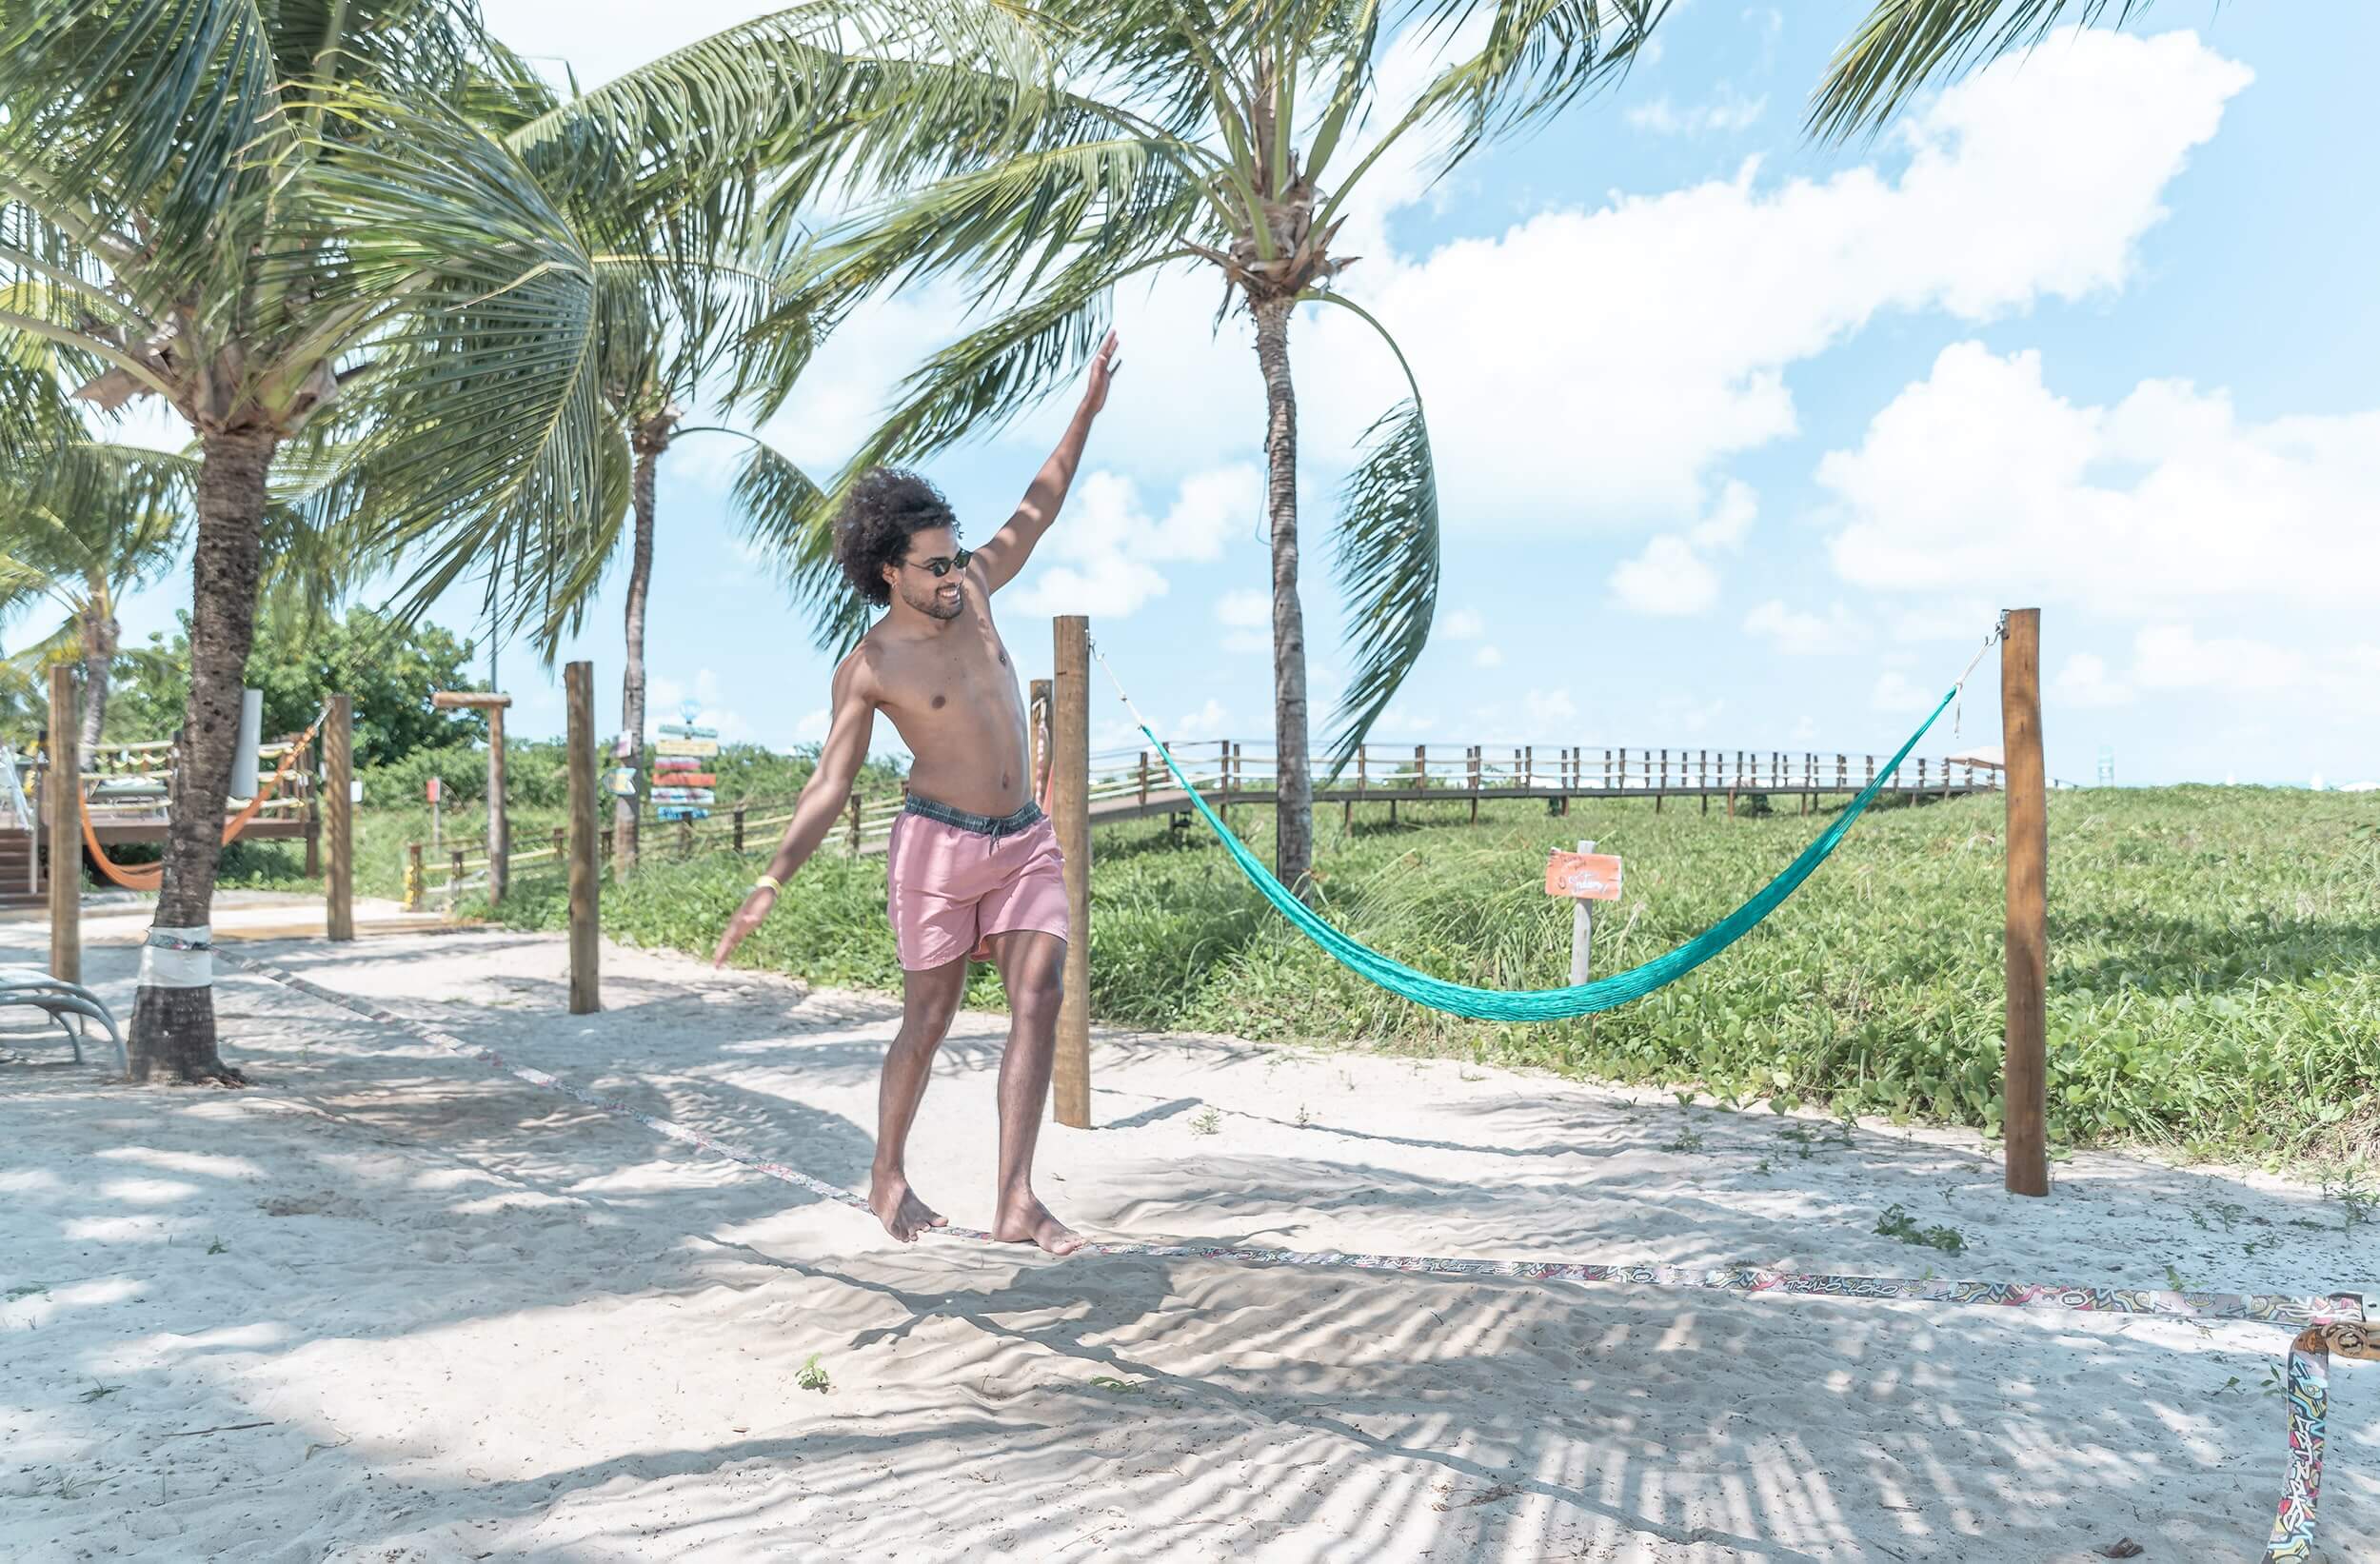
973,868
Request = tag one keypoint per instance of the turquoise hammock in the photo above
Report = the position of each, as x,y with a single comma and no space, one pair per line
1542,1004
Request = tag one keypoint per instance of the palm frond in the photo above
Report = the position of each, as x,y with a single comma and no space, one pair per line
1903,45
168,100
1538,57
1066,223
1387,564
783,517
483,445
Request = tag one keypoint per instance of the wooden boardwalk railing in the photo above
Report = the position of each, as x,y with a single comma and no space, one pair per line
1133,783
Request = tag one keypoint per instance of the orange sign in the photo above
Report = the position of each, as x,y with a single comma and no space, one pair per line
1588,877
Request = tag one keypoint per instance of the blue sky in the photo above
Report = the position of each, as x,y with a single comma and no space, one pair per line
1741,441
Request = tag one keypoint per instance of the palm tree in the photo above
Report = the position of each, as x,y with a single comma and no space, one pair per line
1904,43
658,350
87,522
281,221
1213,141
79,527
350,245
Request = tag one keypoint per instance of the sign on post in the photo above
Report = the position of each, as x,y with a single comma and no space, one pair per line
682,780
1584,876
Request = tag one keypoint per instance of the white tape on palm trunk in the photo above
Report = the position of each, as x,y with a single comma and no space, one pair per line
178,958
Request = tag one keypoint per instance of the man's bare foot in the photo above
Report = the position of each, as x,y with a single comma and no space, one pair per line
1028,1220
897,1207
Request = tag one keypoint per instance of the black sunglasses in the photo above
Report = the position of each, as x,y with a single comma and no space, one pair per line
939,566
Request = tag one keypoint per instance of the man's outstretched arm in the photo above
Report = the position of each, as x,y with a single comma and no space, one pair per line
998,561
850,727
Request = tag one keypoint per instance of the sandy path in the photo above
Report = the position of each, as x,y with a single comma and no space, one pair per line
479,1320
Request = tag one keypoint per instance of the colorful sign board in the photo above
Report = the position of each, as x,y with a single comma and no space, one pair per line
700,748
620,781
1587,877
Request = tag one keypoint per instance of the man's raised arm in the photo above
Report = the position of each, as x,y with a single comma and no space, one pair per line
1000,560
850,724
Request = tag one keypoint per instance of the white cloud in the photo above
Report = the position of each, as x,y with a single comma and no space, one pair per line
812,727
1726,110
1546,707
2034,178
2173,658
1797,634
1247,617
1245,609
668,699
2085,682
1208,722
1893,692
1104,562
1980,477
1402,720
1667,577
1671,576
1487,657
1462,624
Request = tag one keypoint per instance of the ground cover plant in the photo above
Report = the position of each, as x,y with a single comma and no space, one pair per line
2214,985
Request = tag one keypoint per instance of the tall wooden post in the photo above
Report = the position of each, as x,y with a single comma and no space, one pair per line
1037,736
1070,787
499,824
578,684
339,819
2025,1079
499,817
66,826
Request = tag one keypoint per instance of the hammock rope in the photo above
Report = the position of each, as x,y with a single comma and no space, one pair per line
1545,1003
150,876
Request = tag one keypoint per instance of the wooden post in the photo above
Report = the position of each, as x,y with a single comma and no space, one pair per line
562,846
1144,779
1036,735
738,818
66,826
854,822
339,819
578,684
498,821
454,876
685,836
1470,762
2024,1082
412,876
1070,786
1582,932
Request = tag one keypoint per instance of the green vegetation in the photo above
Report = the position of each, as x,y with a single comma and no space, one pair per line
2214,987
1898,1223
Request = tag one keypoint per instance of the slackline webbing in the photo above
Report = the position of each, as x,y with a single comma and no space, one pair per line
2328,1322
1544,1003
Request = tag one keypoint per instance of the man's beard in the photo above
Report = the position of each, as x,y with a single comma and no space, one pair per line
934,605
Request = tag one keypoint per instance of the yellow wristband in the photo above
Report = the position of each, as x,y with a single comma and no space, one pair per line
771,881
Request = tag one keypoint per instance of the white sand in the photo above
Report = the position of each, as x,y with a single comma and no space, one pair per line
478,1320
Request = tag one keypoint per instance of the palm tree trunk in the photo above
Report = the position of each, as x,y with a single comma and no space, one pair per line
99,649
1292,827
173,1013
650,439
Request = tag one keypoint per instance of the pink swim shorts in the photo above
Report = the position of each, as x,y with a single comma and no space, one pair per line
953,879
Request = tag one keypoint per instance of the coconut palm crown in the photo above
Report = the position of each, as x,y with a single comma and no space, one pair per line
1100,141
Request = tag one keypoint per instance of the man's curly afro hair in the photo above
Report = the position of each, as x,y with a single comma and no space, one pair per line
887,506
